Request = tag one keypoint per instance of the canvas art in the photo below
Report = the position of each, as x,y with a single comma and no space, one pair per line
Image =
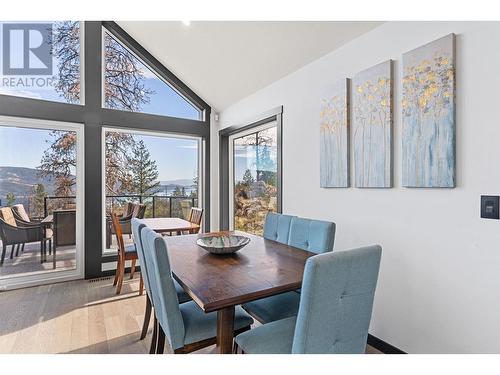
334,136
372,126
428,102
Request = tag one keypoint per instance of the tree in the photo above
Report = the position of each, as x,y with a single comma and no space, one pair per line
119,148
11,199
143,170
59,162
37,200
179,191
124,79
65,42
248,178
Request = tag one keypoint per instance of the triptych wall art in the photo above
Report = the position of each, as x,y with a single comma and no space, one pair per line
428,123
334,136
429,115
372,126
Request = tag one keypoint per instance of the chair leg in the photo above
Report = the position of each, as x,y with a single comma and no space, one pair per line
53,254
4,249
154,338
42,251
12,251
17,249
161,340
147,317
132,269
117,271
22,248
121,273
141,284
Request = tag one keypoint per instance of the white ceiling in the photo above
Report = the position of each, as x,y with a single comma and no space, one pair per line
224,62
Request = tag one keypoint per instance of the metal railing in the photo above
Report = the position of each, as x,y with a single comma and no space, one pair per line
153,199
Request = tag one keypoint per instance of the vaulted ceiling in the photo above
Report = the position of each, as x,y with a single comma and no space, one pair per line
223,62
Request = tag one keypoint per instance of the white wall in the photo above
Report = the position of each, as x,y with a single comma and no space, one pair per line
439,284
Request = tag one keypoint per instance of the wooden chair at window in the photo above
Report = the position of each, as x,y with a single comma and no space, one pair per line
125,253
195,217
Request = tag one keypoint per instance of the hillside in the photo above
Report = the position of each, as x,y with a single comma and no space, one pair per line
21,181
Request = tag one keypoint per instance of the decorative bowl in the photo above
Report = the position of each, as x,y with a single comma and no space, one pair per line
222,243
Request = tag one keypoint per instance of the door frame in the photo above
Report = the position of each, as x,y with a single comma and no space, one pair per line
62,275
225,162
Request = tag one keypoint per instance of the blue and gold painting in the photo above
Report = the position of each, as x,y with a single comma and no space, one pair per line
334,137
428,106
372,125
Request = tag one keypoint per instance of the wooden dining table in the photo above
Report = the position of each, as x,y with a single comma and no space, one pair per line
171,225
221,282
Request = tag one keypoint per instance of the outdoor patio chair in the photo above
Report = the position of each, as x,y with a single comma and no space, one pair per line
17,234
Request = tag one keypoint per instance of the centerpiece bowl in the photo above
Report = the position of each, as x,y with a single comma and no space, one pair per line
222,243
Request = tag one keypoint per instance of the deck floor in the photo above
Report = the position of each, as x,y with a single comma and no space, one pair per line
28,261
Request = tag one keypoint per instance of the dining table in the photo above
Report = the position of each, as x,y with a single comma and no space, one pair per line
168,225
219,283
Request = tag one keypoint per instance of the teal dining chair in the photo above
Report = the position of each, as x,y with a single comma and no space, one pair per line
277,227
316,236
186,327
182,296
335,308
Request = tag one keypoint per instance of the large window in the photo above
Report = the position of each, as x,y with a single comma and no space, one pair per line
157,173
130,85
255,177
42,60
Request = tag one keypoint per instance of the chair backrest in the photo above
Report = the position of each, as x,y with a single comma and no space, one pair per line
336,301
137,226
21,212
8,216
316,236
119,234
162,287
127,210
139,210
196,215
277,227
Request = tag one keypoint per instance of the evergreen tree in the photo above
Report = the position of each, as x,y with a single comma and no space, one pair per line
37,200
248,178
177,192
11,199
143,170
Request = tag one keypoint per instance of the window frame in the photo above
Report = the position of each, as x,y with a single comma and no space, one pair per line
150,63
82,73
94,118
226,136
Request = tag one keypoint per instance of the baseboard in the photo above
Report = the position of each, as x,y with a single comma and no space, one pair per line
383,346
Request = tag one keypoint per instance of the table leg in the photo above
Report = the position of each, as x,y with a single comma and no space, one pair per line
225,330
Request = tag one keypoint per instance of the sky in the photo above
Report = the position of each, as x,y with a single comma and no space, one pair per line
164,101
176,158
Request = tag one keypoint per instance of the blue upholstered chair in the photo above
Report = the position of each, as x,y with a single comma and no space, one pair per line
335,308
182,296
186,326
277,227
312,235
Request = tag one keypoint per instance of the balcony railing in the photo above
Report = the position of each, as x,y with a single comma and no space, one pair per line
156,205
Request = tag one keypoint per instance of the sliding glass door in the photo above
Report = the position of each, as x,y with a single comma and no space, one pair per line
253,188
41,201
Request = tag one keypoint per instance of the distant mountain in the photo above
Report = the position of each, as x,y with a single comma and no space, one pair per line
21,181
180,182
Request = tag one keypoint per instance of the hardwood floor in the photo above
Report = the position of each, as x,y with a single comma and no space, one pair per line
76,317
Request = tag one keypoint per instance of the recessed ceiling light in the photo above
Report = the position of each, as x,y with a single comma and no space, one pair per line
186,23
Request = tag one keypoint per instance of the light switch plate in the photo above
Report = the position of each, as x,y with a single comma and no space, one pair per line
489,207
